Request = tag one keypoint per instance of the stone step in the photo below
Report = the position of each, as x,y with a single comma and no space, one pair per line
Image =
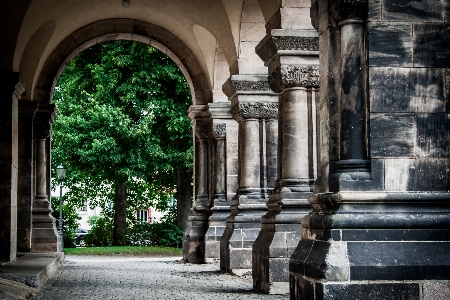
31,269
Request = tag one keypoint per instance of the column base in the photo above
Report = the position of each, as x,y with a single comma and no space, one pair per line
194,238
236,243
372,245
277,240
304,288
216,228
44,236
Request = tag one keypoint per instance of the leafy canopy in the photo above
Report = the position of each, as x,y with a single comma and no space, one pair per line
121,118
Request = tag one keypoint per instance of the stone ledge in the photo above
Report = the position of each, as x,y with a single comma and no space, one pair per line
32,269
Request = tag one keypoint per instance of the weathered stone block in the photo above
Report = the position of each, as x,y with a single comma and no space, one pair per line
412,11
407,90
447,89
436,290
279,269
392,135
431,42
429,175
398,260
390,45
374,10
385,291
397,174
433,138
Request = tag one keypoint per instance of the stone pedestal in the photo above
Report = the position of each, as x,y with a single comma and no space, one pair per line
194,236
224,176
254,107
25,195
12,88
292,58
44,236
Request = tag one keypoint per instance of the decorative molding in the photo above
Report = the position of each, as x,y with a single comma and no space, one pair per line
232,86
219,130
255,110
296,43
294,76
245,85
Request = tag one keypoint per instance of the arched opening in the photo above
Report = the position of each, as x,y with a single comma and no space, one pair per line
123,133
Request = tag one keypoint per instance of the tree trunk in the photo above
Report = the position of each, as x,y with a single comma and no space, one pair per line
184,196
120,215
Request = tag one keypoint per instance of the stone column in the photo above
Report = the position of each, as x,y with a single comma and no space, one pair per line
352,163
12,88
224,165
292,56
194,237
25,195
380,230
44,236
252,103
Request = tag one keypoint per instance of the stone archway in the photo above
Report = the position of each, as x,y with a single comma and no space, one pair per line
67,49
125,29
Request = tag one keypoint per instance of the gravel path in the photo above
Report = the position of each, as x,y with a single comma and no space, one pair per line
116,277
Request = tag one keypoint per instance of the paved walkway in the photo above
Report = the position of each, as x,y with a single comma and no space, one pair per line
100,277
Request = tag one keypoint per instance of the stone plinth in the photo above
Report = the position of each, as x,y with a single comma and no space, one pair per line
255,108
292,58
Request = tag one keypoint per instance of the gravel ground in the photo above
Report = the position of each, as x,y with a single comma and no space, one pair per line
118,277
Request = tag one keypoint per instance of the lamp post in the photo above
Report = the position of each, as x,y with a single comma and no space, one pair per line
61,174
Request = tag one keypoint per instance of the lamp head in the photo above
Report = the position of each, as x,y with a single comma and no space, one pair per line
61,173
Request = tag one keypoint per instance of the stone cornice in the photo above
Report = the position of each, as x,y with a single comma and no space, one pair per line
219,130
220,110
254,110
294,76
242,84
288,42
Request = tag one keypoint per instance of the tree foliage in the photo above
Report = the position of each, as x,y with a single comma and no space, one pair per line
121,123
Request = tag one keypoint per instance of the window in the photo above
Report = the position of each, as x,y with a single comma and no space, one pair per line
143,215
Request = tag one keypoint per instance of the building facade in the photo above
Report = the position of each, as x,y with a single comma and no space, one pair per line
321,134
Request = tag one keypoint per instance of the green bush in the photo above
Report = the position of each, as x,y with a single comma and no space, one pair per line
156,234
101,232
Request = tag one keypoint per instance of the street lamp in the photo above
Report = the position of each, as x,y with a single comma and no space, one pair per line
61,174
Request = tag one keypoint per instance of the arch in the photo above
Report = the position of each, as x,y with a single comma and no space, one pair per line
35,46
123,29
252,31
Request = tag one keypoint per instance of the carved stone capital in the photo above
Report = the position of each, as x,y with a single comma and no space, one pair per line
294,76
254,110
245,84
44,118
348,9
42,130
203,132
219,130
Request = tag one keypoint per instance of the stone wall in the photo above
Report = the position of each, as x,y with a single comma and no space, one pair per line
409,93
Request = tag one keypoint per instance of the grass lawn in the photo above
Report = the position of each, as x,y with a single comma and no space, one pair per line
125,250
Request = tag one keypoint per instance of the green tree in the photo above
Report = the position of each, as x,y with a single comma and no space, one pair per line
122,130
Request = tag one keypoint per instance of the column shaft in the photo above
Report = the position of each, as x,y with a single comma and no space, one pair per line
11,91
